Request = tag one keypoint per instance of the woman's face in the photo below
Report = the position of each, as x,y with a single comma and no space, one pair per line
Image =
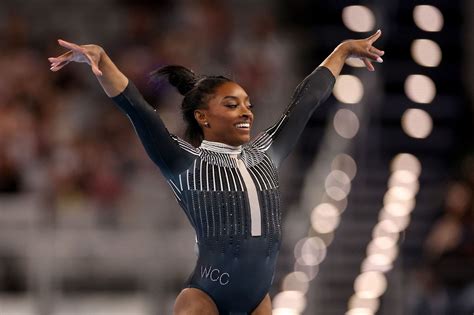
228,116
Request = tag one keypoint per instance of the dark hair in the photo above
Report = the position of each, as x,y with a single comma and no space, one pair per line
196,91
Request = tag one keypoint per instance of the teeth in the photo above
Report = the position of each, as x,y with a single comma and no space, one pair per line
243,125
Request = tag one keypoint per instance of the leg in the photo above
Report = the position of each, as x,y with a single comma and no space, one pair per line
264,308
193,301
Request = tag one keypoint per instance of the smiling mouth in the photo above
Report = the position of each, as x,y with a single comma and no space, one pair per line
245,126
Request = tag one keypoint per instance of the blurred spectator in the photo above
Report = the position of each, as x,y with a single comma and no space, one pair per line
9,174
449,252
64,141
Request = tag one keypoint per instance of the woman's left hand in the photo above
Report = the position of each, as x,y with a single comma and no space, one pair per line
364,49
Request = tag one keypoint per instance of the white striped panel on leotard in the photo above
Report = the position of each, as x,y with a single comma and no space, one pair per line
255,213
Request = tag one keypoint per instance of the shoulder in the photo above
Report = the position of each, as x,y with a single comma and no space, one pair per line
254,152
186,146
260,143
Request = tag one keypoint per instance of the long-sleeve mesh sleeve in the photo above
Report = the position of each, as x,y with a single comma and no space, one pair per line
280,139
170,153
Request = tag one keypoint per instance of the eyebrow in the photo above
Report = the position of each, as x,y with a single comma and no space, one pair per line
234,97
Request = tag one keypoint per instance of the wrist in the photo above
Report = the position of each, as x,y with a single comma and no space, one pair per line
343,50
104,59
100,52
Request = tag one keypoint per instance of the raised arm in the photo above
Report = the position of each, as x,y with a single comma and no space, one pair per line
165,150
357,48
314,90
110,78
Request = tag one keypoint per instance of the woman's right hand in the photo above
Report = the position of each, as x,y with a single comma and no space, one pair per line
90,54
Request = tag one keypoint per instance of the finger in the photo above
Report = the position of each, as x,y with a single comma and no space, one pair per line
63,57
62,63
374,37
368,64
94,65
58,67
59,64
376,51
54,64
96,71
68,45
373,57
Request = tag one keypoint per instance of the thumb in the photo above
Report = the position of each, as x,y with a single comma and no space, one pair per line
96,70
94,65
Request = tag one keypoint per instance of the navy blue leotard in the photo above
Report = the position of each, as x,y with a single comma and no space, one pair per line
230,194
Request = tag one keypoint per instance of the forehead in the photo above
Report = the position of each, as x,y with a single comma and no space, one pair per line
231,89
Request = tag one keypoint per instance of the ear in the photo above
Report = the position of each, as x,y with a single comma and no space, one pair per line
201,117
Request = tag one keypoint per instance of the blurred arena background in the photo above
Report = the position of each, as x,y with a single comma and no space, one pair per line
378,195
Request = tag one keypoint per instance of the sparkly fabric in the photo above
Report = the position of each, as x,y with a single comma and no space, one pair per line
235,265
215,199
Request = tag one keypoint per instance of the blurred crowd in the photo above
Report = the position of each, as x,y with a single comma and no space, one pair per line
61,138
446,277
64,141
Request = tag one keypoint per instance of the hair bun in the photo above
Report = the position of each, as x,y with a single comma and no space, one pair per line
180,77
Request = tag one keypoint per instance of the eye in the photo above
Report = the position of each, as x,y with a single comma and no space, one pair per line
250,106
231,105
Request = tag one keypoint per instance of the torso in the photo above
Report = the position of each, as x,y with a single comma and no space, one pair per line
231,197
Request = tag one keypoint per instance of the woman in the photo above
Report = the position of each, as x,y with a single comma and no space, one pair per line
228,185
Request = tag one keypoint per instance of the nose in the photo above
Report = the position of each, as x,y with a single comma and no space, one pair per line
246,112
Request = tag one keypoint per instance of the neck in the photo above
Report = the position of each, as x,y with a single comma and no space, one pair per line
220,147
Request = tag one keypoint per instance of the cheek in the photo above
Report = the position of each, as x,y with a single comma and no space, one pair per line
224,120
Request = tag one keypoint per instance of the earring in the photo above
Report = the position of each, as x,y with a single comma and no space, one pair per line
206,124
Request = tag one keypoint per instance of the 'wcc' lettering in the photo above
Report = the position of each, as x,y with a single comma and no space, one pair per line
215,275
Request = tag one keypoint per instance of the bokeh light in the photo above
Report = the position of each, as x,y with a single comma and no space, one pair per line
379,260
428,18
374,249
407,162
371,284
284,311
426,52
417,123
293,300
359,311
369,265
346,123
341,205
348,89
385,241
420,88
390,199
327,238
325,218
305,272
337,184
346,164
401,220
400,193
402,177
296,281
386,228
358,18
396,209
313,251
355,62
357,302
409,182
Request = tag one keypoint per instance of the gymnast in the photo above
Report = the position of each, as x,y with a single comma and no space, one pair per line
226,183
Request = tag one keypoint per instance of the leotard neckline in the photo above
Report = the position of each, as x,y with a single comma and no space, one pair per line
220,147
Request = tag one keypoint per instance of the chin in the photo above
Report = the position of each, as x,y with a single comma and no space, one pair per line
244,140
